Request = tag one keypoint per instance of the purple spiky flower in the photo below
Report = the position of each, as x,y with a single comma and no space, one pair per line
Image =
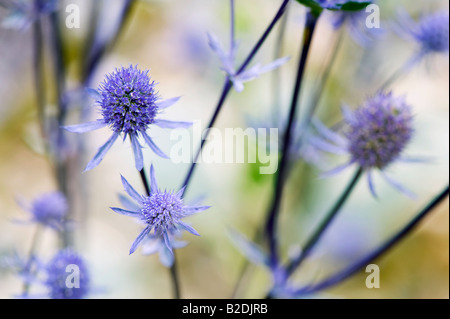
379,131
49,209
375,136
129,105
431,32
161,213
60,286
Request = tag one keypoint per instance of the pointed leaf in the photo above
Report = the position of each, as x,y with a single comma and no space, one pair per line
398,186
139,239
188,228
102,152
371,185
85,127
93,93
190,210
172,124
153,183
127,203
249,249
153,146
336,170
328,134
131,191
167,103
125,212
138,157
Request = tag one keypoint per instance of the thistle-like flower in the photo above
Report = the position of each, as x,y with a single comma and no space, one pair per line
161,213
227,60
431,32
375,137
129,105
49,209
58,282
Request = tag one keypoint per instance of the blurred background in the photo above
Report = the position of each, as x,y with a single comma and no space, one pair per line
169,38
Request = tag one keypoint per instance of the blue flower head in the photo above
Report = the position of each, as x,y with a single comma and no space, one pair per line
379,131
161,213
64,264
129,105
431,32
376,135
49,209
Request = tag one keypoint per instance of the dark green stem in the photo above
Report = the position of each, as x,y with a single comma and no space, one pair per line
368,259
310,244
273,213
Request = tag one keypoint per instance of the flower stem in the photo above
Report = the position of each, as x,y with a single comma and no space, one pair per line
174,276
368,259
97,49
33,247
38,76
228,85
310,244
271,223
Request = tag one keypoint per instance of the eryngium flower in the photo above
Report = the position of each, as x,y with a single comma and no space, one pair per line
129,105
49,209
67,276
431,32
375,136
161,213
379,130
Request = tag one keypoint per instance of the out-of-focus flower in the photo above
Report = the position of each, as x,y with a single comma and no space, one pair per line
355,21
60,286
129,105
431,32
228,65
49,209
22,13
375,136
161,213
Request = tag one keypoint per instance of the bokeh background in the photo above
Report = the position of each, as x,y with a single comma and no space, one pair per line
169,38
